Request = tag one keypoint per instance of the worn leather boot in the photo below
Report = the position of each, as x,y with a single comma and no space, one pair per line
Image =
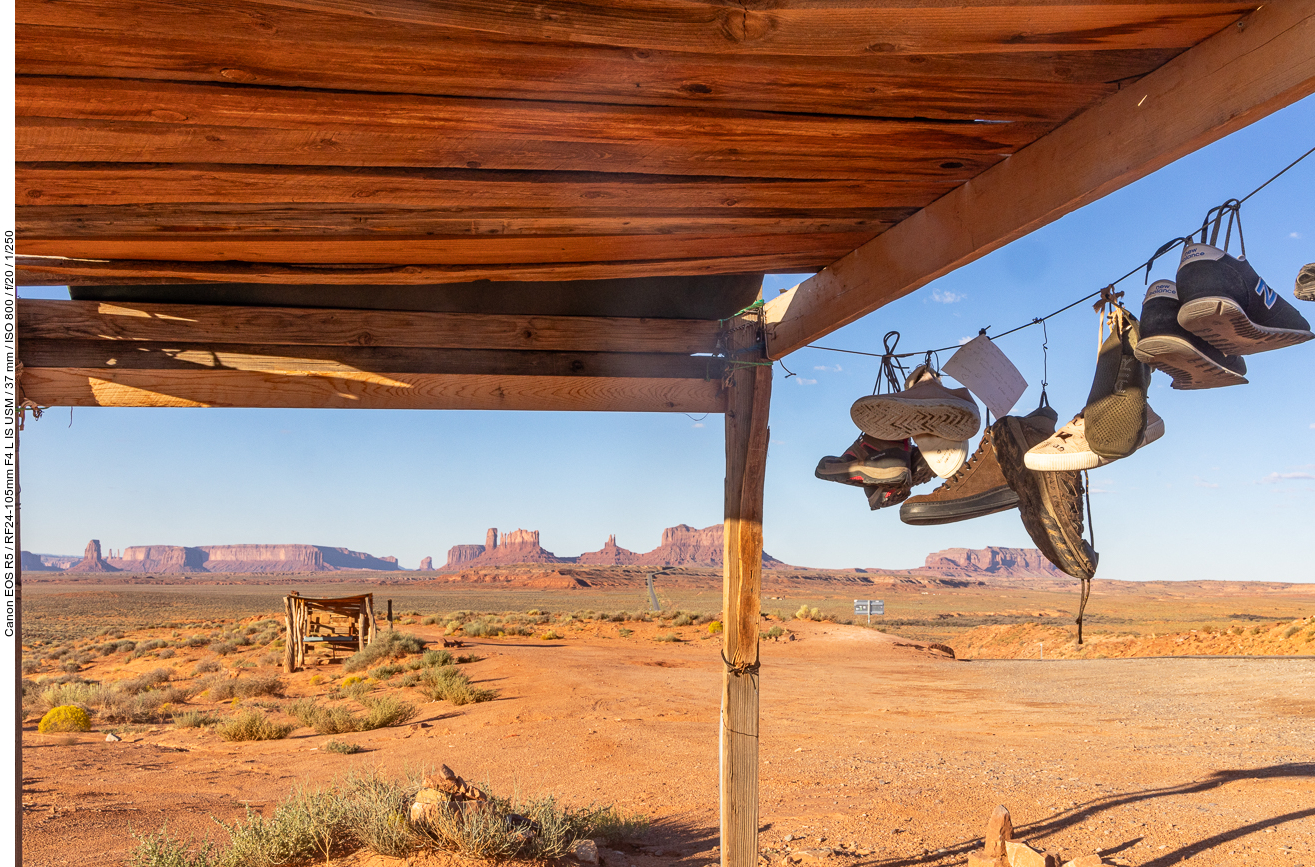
979,487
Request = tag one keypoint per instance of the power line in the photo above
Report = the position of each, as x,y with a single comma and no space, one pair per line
1038,320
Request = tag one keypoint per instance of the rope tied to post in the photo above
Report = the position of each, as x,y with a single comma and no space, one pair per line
739,669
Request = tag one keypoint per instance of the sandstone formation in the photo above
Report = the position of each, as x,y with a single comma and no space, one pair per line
92,561
427,564
608,555
1011,562
30,562
178,559
518,546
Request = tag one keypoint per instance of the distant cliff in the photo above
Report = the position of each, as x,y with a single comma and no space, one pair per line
1003,562
518,546
682,545
177,559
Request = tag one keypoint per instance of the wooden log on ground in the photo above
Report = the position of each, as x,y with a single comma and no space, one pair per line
747,402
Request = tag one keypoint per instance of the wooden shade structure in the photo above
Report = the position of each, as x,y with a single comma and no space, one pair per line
341,203
309,619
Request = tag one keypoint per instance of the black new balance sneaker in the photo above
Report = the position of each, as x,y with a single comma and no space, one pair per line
869,461
1224,301
1305,288
1167,346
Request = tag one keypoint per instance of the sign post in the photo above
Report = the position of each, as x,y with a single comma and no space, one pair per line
870,607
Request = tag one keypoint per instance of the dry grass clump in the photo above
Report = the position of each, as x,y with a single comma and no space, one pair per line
223,688
449,684
252,725
370,812
191,719
327,719
343,748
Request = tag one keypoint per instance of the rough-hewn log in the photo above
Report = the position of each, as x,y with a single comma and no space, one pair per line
238,388
355,361
80,120
747,401
1228,81
292,326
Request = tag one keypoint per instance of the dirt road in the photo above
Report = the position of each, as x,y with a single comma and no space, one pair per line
895,753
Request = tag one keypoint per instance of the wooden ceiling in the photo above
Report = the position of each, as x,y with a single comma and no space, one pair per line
413,142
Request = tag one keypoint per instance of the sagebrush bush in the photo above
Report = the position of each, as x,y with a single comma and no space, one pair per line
206,666
388,645
327,719
192,719
223,688
67,718
343,748
450,684
252,725
683,620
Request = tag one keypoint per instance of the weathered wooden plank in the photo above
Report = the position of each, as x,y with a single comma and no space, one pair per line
1221,85
290,48
457,191
337,222
352,361
79,120
747,401
297,326
323,249
60,271
237,388
837,27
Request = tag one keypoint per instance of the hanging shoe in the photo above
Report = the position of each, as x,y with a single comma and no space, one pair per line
979,487
881,496
1069,449
1050,505
1305,287
1167,346
924,407
868,461
1225,302
943,456
1115,413
918,466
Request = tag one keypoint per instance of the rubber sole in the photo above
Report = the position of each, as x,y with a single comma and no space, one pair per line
1050,505
887,417
1224,325
1089,460
950,511
1190,368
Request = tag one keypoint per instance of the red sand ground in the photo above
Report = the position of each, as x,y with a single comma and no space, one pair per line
889,754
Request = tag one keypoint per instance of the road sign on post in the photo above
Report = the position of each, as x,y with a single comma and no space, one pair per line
869,607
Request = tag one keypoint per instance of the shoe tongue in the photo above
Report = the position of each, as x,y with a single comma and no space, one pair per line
1162,289
1193,252
920,374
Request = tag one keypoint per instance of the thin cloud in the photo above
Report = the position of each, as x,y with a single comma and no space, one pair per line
1296,235
698,424
946,296
1272,478
804,381
1202,483
835,369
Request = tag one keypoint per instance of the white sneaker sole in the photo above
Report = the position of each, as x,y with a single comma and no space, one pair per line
1189,367
887,417
1226,326
945,457
1089,460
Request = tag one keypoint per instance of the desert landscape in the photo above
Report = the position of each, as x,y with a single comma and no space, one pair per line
1179,731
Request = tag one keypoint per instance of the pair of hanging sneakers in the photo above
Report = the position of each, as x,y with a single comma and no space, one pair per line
908,439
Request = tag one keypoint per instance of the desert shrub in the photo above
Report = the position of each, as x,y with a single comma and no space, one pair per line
146,681
223,648
124,647
386,711
775,632
192,719
389,645
308,825
683,620
343,748
219,687
206,666
197,641
252,725
669,637
66,718
322,718
479,628
715,627
432,620
450,684
142,707
31,666
701,619
467,658
162,850
384,672
552,635
1291,631
624,632
359,689
435,658
411,678
167,653
82,694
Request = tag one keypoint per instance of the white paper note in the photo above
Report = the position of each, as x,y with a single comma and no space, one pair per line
988,373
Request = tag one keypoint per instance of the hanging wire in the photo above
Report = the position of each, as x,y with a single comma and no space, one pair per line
891,371
1232,207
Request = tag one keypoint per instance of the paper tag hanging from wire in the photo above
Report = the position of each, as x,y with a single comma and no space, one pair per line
988,373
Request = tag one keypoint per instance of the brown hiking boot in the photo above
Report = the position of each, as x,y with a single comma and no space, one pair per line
979,487
1051,507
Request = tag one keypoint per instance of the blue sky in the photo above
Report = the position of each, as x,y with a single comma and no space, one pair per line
1228,493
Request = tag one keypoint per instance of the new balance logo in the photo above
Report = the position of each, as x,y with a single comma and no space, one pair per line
1267,295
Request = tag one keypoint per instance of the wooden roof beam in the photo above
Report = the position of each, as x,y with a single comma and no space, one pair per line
1260,64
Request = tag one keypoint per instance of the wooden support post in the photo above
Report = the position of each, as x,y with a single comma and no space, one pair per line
362,625
289,652
747,398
